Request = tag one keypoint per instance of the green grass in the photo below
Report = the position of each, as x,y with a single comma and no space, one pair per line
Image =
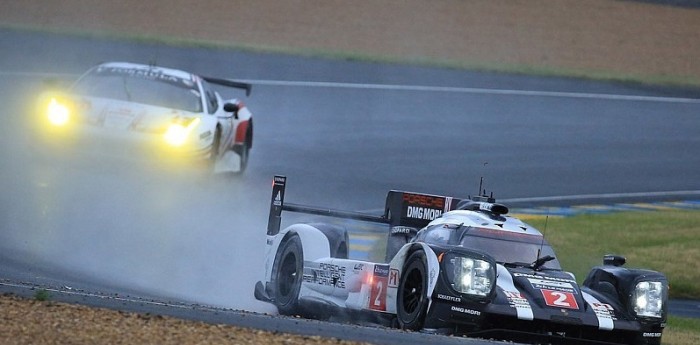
42,295
473,65
665,241
681,331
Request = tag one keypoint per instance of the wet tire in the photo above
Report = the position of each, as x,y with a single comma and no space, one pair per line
210,163
288,275
244,153
412,302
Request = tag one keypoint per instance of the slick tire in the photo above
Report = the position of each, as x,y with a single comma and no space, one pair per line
213,154
412,302
288,275
245,154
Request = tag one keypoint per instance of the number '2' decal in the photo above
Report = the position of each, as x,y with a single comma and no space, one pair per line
559,299
377,295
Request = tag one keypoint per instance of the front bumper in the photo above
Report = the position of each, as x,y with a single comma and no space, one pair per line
127,147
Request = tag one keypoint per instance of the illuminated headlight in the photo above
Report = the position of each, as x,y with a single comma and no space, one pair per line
647,298
57,113
178,133
471,276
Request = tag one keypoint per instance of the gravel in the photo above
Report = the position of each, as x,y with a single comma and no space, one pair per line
24,321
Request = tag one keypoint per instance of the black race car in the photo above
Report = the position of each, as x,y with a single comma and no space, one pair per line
457,266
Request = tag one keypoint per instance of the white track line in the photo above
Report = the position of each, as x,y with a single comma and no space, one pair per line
421,88
87,294
472,90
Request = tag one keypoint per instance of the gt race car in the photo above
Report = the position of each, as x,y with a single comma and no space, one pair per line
456,266
166,114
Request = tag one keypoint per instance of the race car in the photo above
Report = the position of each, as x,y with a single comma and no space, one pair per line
163,113
456,266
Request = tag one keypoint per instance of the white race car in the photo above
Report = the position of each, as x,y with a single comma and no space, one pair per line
163,113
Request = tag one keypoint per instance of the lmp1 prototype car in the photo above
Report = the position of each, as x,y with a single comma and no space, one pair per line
168,113
457,266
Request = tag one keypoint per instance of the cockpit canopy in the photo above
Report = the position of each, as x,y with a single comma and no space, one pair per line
506,247
141,85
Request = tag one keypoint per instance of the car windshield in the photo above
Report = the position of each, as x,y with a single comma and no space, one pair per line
505,247
140,87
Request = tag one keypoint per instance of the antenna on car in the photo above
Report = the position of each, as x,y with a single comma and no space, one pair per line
544,233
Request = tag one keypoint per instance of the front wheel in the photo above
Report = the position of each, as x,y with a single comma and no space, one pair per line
288,275
412,302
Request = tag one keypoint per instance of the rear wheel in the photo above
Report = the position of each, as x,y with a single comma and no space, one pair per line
288,275
412,301
243,152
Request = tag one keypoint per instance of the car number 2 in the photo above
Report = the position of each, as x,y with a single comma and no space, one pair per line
377,298
560,299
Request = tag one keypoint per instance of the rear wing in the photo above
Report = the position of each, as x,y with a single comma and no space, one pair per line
401,209
231,83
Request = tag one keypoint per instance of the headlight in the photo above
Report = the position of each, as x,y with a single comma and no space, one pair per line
647,298
178,132
470,276
57,113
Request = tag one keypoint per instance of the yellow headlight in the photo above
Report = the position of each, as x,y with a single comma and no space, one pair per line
57,113
177,134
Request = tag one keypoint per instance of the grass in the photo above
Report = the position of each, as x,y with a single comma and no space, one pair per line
472,65
665,241
42,295
681,331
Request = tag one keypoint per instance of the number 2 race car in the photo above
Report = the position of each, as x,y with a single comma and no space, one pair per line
457,266
127,109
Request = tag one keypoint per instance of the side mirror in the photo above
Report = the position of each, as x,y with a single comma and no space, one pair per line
614,260
232,108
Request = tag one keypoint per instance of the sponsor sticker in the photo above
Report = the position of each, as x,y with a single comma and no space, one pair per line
325,274
449,298
516,299
377,295
402,230
394,278
424,207
465,310
604,310
541,284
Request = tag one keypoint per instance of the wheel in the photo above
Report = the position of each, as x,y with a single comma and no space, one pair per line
411,301
210,163
244,153
288,275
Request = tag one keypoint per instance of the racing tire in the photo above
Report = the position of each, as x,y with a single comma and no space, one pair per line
244,152
411,299
210,163
288,275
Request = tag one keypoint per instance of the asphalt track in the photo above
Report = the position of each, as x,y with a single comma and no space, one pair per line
344,132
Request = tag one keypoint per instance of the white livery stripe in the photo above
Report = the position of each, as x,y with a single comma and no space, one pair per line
605,321
521,305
